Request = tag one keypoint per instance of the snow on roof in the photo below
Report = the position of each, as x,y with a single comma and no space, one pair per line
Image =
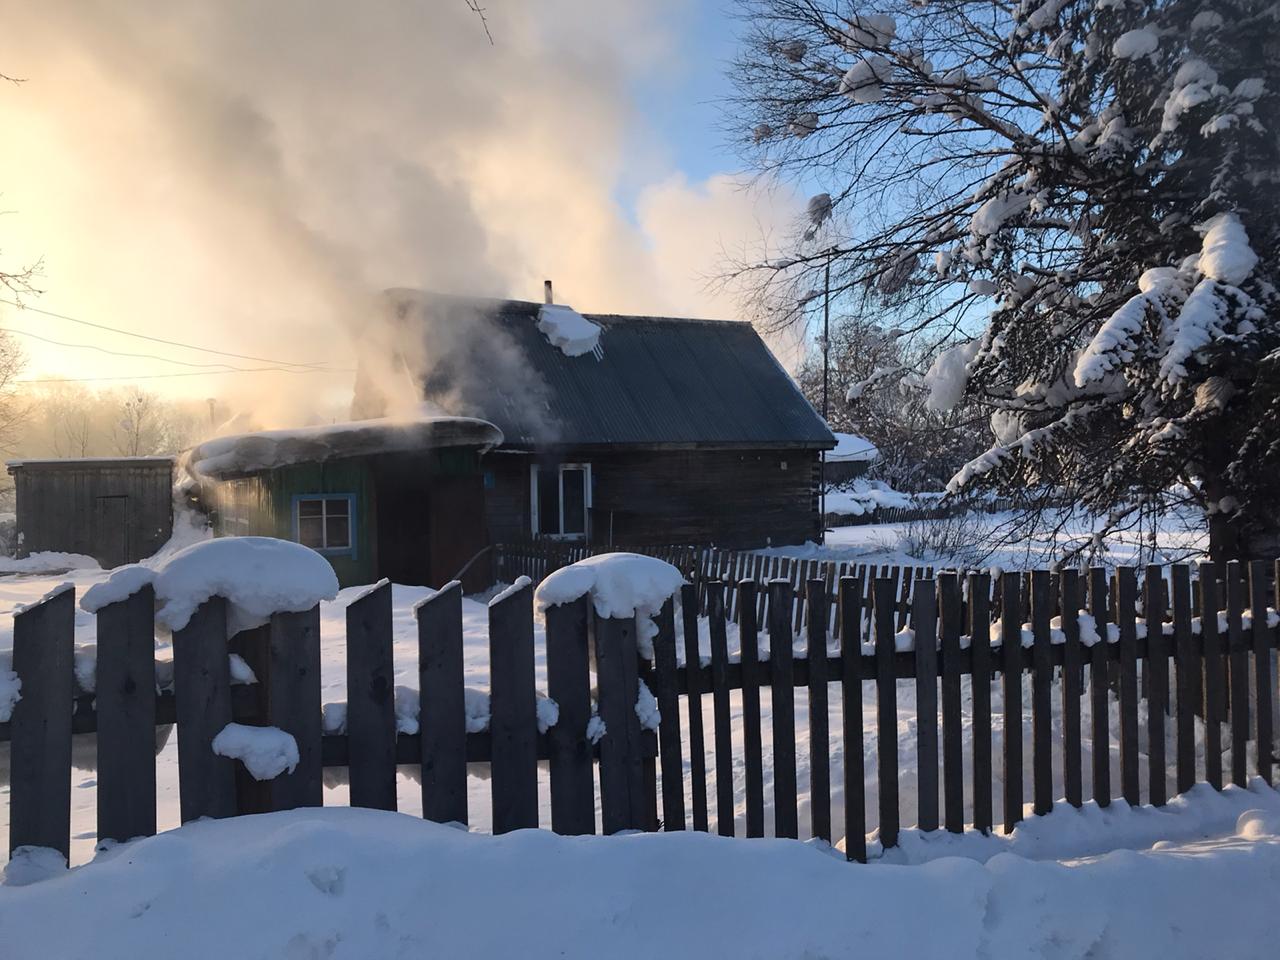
246,453
568,330
258,576
851,448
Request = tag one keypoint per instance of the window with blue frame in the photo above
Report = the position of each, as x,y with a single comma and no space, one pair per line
325,522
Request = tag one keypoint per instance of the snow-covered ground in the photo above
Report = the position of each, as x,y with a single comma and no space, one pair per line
345,883
1115,881
1178,539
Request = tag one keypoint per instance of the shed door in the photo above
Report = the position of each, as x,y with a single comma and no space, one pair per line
111,524
457,529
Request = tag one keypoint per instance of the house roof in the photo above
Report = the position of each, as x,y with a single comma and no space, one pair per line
242,454
851,448
650,381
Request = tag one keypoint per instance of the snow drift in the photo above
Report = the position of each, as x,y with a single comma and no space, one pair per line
360,883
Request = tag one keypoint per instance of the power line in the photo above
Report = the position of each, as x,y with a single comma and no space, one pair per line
143,336
117,353
202,373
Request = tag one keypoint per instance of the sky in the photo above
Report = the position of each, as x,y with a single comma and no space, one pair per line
244,176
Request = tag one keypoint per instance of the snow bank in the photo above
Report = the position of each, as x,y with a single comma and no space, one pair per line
32,864
621,585
266,752
258,576
342,882
567,330
861,496
47,561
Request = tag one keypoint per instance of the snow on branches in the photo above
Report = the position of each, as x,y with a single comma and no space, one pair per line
1100,177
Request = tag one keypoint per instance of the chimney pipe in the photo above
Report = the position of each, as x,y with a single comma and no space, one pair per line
546,291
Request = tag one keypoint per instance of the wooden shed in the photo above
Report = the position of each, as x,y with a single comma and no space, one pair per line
401,500
651,430
115,510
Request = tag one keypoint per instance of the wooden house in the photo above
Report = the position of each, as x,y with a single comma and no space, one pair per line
652,430
380,498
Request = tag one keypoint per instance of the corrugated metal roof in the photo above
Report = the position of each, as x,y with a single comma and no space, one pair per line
652,380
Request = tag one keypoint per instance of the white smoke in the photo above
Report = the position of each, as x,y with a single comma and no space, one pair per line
246,175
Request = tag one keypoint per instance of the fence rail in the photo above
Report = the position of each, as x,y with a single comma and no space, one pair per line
938,511
1070,634
538,559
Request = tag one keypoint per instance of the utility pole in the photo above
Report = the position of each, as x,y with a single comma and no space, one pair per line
826,376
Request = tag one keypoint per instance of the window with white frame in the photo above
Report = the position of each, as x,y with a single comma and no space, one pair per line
560,495
324,522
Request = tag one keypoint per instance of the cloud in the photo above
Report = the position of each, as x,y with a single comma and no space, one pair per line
244,175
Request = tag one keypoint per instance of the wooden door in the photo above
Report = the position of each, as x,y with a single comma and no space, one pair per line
111,531
457,530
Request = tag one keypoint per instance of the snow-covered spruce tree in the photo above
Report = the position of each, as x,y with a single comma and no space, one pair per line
1101,178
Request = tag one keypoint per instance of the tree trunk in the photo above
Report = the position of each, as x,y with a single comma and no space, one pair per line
1230,539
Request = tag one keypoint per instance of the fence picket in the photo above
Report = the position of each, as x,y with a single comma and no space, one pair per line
819,718
202,693
1214,675
980,651
693,684
1041,692
785,806
924,618
1011,675
1072,687
294,681
1264,686
886,710
573,802
1126,595
513,708
664,683
1155,672
40,726
720,707
371,709
125,700
1238,673
753,750
442,714
1098,713
855,798
952,722
1186,676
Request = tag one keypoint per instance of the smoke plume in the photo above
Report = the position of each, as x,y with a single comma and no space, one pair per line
248,175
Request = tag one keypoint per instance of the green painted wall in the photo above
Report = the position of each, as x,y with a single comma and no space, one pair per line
262,505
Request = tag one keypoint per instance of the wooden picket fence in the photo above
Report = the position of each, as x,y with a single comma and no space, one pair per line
936,511
539,558
1223,662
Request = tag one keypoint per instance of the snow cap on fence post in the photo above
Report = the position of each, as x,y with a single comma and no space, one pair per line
258,576
621,586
